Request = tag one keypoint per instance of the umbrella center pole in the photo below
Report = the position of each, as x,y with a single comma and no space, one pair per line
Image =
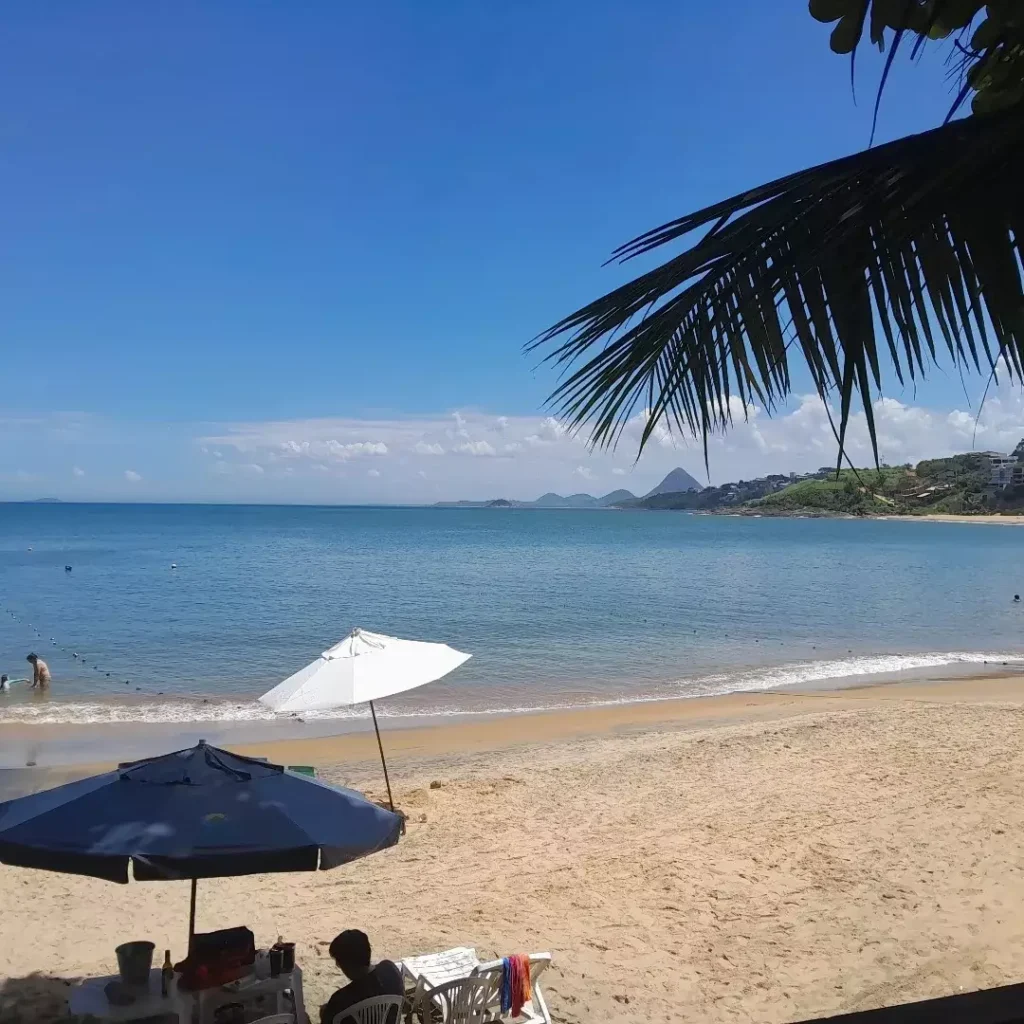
192,918
384,764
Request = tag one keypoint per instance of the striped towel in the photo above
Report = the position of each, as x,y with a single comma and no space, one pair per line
515,983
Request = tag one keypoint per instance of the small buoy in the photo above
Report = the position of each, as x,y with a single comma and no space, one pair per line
174,565
30,549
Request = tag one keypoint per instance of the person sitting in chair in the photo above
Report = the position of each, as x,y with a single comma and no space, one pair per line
351,952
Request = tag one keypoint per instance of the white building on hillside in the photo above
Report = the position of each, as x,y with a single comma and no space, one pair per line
1003,469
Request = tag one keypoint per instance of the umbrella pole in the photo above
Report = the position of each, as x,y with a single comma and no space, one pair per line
192,918
380,747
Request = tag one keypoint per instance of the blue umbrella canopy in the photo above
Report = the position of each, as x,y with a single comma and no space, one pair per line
196,813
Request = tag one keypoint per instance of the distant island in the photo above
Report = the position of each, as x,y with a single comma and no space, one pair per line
676,481
973,483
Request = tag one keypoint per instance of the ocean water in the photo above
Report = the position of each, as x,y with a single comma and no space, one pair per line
558,608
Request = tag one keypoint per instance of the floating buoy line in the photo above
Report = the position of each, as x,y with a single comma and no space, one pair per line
51,643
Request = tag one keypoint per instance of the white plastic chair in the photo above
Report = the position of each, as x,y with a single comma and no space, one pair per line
377,1010
463,1001
536,1010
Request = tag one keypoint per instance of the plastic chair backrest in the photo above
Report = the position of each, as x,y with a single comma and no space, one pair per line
539,963
466,1000
377,1010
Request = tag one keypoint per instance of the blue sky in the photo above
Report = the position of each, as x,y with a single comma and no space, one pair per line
326,222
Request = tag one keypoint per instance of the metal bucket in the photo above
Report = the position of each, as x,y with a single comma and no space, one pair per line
134,962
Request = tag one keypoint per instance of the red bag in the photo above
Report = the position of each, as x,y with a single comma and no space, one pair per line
217,958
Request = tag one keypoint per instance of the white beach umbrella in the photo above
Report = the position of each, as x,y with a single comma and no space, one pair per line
362,668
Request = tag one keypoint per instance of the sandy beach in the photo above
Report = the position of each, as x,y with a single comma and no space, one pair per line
756,856
983,520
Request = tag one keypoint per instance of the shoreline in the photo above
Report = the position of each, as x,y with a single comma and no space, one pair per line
448,742
983,519
418,743
77,729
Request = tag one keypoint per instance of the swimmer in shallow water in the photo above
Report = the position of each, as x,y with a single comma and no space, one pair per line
40,672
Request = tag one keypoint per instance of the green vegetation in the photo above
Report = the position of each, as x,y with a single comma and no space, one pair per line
956,485
711,498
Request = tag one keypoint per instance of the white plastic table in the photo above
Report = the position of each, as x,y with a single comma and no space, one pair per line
437,968
90,998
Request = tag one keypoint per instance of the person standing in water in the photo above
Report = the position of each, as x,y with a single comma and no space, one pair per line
40,672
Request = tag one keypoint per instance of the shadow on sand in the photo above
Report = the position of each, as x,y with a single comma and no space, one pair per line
37,998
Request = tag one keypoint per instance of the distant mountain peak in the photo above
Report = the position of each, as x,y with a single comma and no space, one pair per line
676,481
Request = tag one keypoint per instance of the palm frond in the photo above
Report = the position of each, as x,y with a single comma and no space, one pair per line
886,262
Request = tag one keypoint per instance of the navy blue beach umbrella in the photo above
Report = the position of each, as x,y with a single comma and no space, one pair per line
196,813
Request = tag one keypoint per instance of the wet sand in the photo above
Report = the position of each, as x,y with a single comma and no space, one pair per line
755,856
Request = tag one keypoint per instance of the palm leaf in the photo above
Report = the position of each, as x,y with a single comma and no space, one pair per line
881,264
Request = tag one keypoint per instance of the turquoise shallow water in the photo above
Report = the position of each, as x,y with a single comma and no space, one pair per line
558,607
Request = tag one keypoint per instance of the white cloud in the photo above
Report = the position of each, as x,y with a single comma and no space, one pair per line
476,448
423,448
469,454
459,430
338,450
373,472
78,472
550,432
584,471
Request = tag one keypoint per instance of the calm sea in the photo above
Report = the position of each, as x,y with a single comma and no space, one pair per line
558,608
